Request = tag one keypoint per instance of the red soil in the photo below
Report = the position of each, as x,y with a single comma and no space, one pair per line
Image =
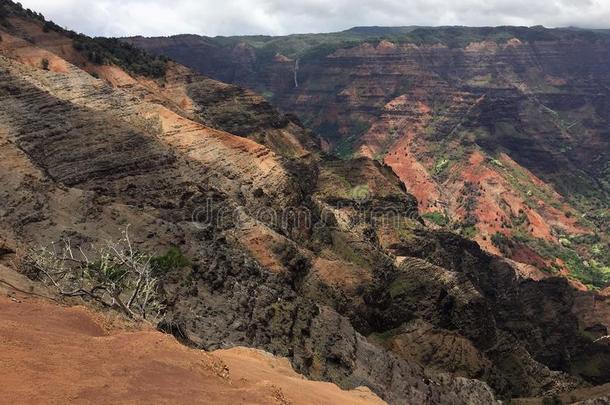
56,354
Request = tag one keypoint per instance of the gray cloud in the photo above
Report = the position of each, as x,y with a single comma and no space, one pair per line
232,17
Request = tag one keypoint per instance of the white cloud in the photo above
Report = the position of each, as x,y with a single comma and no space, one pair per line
232,17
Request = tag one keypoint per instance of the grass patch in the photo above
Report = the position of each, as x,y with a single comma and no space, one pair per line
593,271
436,217
440,166
469,231
171,260
502,242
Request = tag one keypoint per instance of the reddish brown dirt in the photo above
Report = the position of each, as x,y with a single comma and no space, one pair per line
55,354
22,51
402,155
260,242
524,254
343,274
414,174
400,135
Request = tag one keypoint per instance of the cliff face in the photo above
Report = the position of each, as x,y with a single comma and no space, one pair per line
320,260
501,134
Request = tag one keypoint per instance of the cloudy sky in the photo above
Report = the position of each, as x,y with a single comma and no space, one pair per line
232,17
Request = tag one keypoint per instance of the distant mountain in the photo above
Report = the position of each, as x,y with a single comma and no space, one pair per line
256,236
502,133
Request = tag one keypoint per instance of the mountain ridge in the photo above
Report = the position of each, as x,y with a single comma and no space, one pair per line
424,107
344,297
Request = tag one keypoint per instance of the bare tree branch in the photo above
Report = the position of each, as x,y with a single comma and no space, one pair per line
115,269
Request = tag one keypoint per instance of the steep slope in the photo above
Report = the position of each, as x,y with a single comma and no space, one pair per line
93,184
501,133
53,354
320,260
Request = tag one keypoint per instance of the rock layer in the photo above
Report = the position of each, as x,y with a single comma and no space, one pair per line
84,157
500,133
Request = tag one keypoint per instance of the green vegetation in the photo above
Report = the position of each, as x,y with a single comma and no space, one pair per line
469,231
10,8
520,219
521,181
345,149
102,51
344,248
347,146
398,287
441,165
171,260
460,37
405,229
3,15
336,185
436,217
106,51
267,94
113,274
298,46
502,242
309,47
585,256
496,162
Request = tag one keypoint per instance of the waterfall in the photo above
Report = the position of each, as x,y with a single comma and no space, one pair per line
296,71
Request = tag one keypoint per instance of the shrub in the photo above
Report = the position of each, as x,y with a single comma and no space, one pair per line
436,217
469,232
440,166
97,50
292,259
45,64
106,51
502,242
113,274
172,259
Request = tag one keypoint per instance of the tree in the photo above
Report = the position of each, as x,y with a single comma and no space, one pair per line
45,64
113,274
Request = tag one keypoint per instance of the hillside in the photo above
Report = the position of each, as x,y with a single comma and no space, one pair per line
58,354
263,240
500,133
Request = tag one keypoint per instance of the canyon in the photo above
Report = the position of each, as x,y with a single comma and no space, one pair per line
500,133
331,264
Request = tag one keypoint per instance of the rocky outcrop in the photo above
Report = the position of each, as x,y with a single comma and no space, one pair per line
83,157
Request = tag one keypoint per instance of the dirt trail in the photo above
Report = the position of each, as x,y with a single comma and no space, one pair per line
54,354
